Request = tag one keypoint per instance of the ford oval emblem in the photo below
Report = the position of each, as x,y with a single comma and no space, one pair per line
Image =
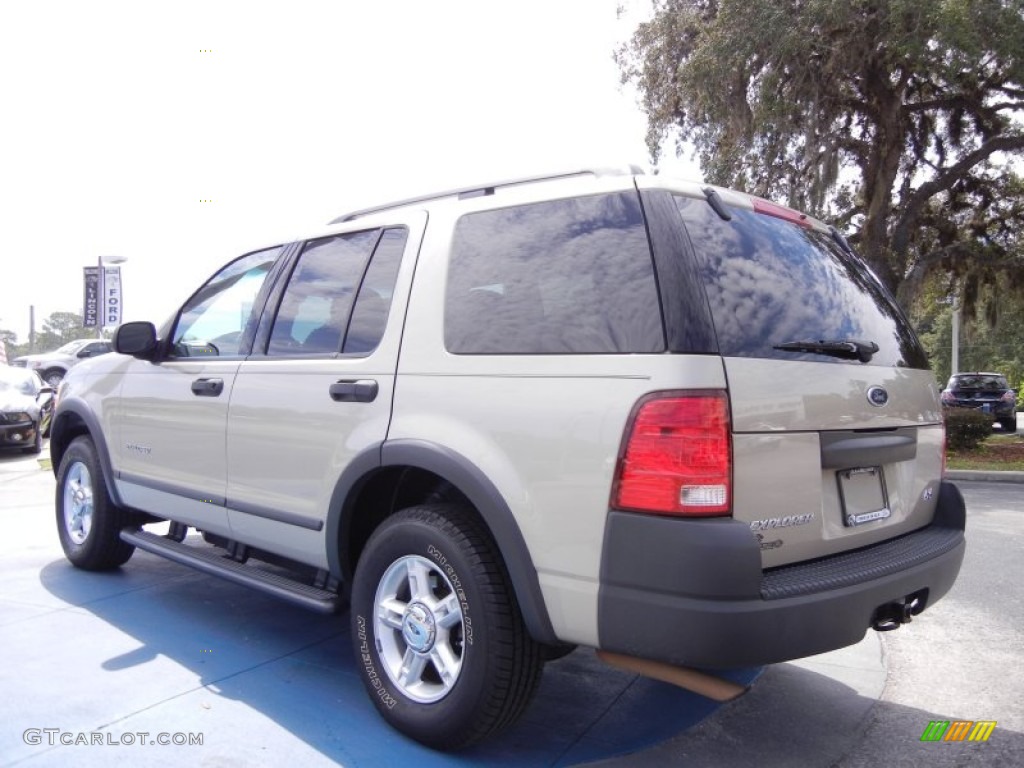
877,396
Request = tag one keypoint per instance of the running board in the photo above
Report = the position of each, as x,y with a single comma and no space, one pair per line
216,564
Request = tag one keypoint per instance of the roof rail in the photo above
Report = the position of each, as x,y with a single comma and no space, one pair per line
480,190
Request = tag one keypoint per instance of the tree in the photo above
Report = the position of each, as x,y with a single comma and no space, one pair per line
10,341
897,119
60,328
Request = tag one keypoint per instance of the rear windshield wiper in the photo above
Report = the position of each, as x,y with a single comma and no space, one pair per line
845,349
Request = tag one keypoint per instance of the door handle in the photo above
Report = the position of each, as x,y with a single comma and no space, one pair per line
207,387
361,391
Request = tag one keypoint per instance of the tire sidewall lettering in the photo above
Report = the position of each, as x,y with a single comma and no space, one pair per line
369,669
435,553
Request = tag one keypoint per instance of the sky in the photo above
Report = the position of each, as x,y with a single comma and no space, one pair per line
180,135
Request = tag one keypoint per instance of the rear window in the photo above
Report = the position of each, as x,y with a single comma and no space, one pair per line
561,277
771,282
981,381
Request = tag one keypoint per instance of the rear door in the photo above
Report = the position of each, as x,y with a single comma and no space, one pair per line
317,391
836,445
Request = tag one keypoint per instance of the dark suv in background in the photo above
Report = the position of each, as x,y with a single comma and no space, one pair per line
986,392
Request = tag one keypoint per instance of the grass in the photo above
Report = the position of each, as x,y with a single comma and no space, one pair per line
999,452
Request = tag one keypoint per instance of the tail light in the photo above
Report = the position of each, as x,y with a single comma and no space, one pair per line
677,456
947,397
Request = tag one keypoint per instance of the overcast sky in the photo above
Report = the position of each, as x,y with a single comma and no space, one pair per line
122,119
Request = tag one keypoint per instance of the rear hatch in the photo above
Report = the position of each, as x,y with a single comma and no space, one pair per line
837,435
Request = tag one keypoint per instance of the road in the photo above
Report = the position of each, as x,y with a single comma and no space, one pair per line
963,659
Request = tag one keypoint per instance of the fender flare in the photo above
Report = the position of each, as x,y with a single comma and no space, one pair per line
482,494
94,432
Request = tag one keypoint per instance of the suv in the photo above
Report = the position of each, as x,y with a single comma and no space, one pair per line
53,366
675,423
986,392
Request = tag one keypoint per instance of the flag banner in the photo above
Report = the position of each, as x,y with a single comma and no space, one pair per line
91,305
112,297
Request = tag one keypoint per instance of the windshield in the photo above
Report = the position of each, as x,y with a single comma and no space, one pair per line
73,346
978,381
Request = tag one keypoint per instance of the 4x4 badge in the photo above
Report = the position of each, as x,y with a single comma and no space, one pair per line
877,396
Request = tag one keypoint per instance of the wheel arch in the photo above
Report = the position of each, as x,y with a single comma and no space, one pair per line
400,473
74,419
54,367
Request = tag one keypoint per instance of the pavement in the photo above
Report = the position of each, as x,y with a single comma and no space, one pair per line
161,650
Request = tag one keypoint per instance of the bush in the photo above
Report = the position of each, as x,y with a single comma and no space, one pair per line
966,428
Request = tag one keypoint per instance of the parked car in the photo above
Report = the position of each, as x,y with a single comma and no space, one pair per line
675,423
26,408
53,366
986,392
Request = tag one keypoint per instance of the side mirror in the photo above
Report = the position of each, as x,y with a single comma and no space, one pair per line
137,339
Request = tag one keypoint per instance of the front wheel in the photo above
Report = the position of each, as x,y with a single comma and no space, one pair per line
439,640
54,377
1008,425
88,521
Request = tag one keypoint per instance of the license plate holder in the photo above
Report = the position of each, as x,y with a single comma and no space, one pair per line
863,495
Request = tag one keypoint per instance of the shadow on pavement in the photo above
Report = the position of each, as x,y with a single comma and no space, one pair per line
798,718
156,647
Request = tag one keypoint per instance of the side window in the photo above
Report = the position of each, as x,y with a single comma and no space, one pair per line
213,321
566,276
315,308
370,315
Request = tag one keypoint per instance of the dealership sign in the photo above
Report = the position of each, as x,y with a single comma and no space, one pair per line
111,296
103,298
91,304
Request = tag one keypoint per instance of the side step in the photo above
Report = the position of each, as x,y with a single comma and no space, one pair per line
216,564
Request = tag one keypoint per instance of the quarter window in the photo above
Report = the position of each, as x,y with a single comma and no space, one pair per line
561,277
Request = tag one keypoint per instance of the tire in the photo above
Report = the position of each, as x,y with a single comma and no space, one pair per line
1008,425
431,597
88,521
54,376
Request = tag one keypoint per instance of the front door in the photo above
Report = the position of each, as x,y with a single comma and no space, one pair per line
173,420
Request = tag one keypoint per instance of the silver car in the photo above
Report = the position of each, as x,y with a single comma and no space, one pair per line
675,423
53,366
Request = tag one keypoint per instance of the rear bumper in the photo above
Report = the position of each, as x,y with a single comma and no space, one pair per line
692,592
999,410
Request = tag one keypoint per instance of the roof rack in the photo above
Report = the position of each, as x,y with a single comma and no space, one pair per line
480,190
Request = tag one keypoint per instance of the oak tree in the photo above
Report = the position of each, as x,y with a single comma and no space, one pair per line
899,120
